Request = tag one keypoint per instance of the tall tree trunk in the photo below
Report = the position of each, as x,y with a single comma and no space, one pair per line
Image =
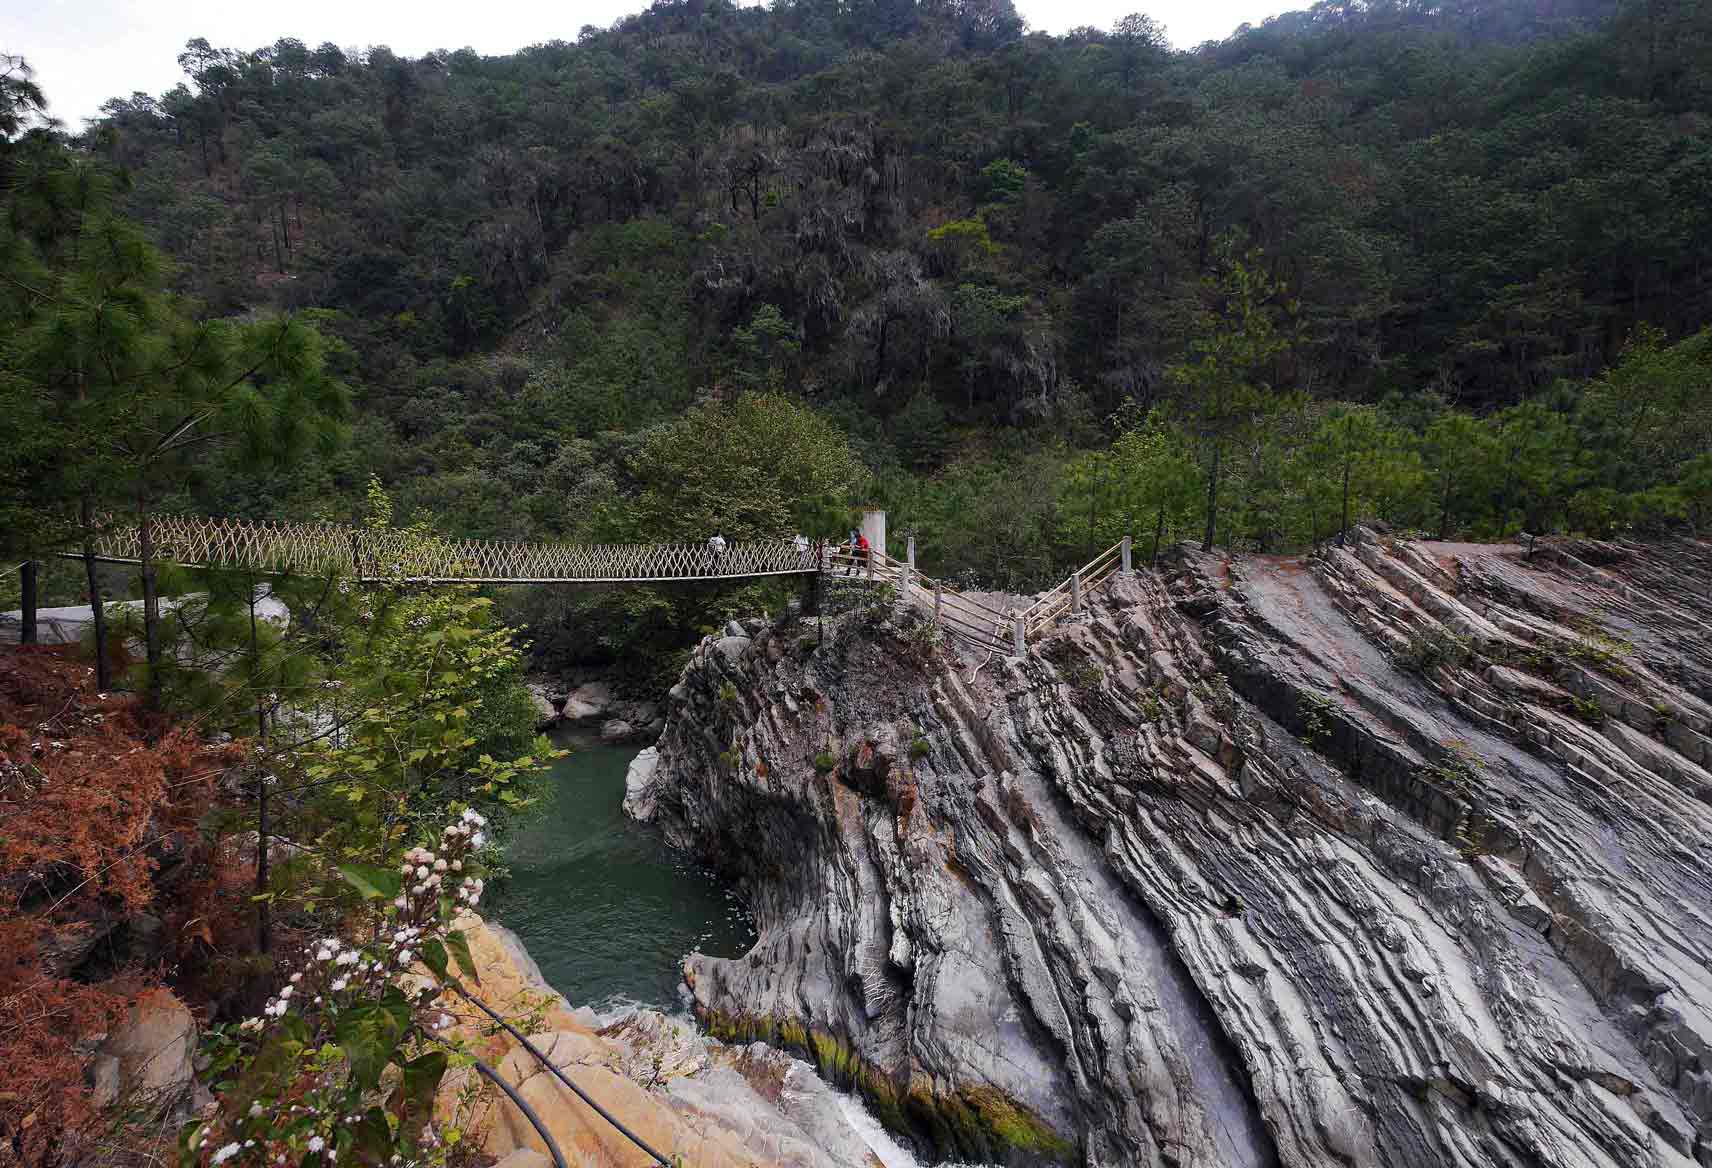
264,911
1158,533
97,614
284,228
151,598
1345,527
1212,500
27,586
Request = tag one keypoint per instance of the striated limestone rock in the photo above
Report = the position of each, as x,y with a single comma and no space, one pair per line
1400,855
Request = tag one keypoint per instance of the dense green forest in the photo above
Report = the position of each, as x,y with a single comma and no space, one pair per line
1441,265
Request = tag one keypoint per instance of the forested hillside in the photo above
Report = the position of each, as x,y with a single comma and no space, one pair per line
1371,259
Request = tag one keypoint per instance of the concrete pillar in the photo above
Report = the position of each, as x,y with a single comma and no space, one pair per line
1076,592
909,554
1019,635
1127,569
874,527
904,582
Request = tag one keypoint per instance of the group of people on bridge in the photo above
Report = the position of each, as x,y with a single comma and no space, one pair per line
809,556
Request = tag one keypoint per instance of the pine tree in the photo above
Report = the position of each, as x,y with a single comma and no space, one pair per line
1226,387
135,388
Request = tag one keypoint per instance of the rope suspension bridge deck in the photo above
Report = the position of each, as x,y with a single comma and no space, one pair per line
374,556
410,557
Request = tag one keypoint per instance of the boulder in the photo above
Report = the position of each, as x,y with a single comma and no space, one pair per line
588,702
146,1061
616,731
639,785
523,1158
545,713
732,648
695,1099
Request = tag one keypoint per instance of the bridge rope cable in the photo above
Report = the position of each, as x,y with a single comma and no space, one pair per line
406,557
557,1073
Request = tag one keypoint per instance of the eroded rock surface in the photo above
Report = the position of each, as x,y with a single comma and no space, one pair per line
689,1096
1399,855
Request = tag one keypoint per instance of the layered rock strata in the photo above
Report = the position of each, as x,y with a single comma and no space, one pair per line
1396,855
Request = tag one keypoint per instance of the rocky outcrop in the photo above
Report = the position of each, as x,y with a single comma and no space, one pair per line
146,1062
713,1105
591,707
1398,855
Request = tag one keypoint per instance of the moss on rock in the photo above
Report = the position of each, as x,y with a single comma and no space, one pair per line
977,1122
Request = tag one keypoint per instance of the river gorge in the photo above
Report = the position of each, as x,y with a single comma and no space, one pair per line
1396,855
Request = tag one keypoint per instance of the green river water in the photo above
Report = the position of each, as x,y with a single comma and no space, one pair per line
607,910
603,905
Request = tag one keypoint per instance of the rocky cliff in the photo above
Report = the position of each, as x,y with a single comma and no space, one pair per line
1399,855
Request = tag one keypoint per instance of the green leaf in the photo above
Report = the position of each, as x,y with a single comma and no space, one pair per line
375,883
270,1071
434,957
413,1100
459,944
369,1035
371,1139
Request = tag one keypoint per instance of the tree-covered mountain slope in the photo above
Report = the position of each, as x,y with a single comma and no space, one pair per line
923,206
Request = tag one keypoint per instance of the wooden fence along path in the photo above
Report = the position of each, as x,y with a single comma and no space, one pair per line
410,557
975,623
963,618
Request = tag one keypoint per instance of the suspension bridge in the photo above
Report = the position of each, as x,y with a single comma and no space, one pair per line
369,555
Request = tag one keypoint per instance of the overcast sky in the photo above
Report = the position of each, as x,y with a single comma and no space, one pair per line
85,51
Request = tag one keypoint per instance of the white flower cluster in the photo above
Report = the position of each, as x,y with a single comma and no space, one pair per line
425,868
469,828
335,972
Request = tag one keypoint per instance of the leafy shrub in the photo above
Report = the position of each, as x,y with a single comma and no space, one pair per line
350,1026
1430,650
824,762
1316,711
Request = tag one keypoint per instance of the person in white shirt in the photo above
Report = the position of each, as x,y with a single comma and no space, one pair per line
801,544
715,553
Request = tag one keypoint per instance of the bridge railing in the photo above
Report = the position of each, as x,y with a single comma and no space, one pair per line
976,623
979,625
406,556
1070,595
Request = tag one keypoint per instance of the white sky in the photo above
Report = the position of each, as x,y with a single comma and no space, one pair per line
86,51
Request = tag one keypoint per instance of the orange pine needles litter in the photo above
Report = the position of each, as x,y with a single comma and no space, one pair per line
99,807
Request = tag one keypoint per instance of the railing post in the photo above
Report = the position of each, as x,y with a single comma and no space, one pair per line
1076,592
1019,634
1127,569
27,588
909,553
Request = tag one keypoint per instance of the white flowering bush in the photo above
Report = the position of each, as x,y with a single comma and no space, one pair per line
343,1062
